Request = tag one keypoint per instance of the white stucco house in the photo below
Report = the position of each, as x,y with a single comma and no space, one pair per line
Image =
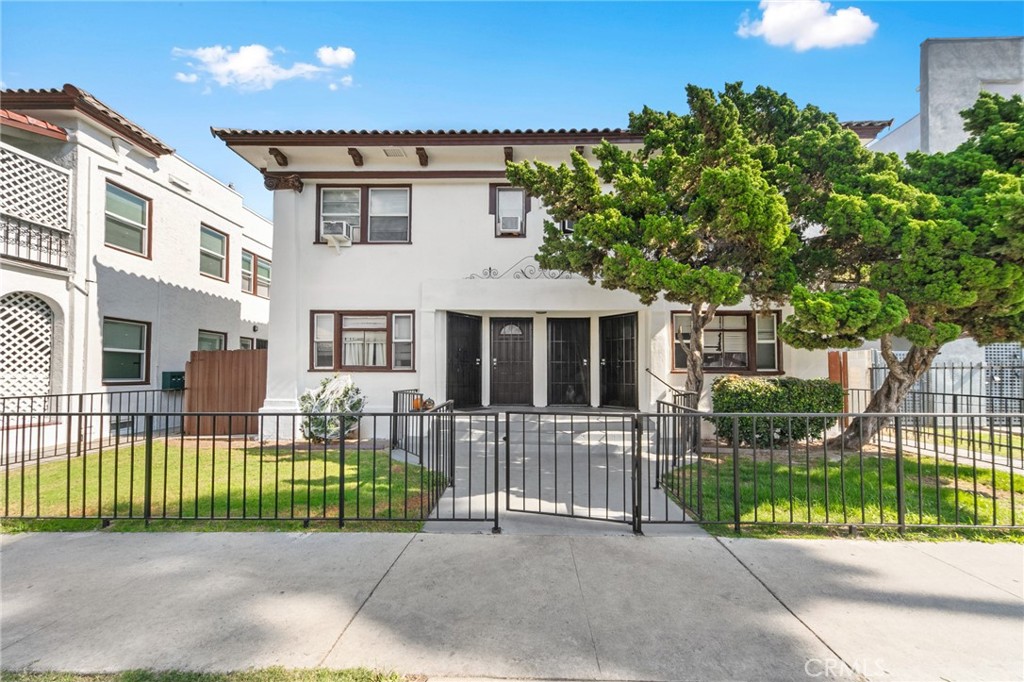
954,71
118,257
434,285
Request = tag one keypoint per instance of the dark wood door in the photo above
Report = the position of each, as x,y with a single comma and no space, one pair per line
618,361
511,361
568,361
464,372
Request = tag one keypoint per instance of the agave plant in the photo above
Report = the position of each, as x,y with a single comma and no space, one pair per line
332,410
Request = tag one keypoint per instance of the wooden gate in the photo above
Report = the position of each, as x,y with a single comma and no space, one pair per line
224,381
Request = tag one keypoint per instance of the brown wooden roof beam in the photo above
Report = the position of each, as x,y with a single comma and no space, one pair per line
279,156
508,154
422,153
357,158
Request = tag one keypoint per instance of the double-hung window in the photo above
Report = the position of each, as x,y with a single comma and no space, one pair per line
127,220
255,274
213,253
733,342
125,351
377,215
361,341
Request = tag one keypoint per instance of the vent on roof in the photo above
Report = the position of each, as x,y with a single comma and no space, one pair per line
394,152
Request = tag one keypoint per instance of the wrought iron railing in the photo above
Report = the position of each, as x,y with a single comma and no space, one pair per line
33,243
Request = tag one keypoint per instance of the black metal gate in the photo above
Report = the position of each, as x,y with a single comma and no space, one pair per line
568,361
464,360
619,361
511,361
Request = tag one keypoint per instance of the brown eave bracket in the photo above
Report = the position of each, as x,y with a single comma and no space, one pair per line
357,158
422,153
279,156
508,154
580,149
291,181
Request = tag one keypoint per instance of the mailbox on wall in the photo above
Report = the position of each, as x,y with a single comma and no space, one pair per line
172,381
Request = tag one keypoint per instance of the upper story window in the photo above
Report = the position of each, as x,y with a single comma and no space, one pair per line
125,351
127,220
733,342
255,274
213,250
510,216
361,341
377,215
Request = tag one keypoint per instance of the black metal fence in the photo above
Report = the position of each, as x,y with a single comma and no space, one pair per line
280,476
673,466
956,387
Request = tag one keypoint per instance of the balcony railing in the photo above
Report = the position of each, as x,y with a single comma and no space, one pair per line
26,241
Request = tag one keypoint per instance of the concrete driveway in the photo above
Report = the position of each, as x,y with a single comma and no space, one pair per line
514,606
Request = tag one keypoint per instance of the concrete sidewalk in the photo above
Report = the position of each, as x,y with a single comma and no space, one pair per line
526,606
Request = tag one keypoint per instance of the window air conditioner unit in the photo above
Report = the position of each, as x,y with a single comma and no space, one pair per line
509,225
337,234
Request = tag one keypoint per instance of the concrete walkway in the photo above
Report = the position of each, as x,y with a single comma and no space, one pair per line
514,606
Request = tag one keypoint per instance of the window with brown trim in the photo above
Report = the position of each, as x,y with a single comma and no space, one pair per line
245,343
209,340
509,206
255,274
128,217
125,351
734,342
377,214
213,253
355,340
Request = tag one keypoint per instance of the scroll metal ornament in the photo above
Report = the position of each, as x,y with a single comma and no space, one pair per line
276,182
520,271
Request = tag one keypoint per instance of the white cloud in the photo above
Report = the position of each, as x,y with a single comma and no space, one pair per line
346,81
332,87
341,57
250,68
807,24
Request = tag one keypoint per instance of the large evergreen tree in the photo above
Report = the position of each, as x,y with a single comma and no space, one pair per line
928,251
690,217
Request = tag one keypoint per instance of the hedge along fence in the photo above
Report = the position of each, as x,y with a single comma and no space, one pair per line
731,394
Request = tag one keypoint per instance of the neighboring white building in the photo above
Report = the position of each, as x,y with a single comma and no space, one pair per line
118,257
439,289
954,71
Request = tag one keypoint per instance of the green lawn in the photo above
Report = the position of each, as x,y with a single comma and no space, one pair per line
209,480
967,441
261,675
779,491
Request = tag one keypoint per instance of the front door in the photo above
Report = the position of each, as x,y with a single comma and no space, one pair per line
464,360
511,361
618,361
568,361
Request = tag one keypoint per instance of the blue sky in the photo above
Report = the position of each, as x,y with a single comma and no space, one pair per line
469,65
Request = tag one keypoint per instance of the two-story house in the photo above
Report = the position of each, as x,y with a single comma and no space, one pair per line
117,256
405,259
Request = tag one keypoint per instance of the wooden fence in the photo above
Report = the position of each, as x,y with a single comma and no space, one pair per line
224,381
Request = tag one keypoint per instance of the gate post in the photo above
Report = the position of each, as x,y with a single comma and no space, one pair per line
148,493
497,479
638,430
900,510
736,473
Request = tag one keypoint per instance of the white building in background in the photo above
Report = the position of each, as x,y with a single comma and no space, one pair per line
954,71
118,257
406,260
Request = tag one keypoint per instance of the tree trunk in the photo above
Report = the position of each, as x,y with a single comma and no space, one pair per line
694,351
902,376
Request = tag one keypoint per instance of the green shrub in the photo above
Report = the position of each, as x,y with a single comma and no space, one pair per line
760,395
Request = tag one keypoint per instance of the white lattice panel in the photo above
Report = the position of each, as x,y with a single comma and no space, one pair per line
26,340
32,190
1005,375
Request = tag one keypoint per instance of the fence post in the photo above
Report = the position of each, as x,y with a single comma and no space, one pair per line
697,448
638,434
736,474
148,495
497,462
900,511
